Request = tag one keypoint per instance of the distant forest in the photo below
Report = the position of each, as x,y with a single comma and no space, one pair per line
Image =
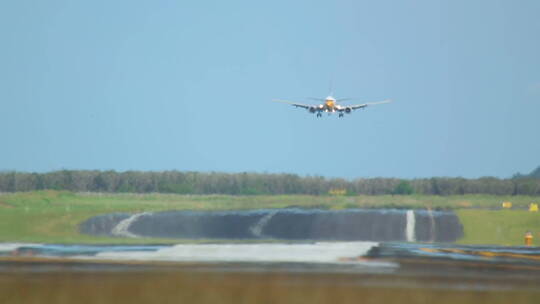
260,183
534,174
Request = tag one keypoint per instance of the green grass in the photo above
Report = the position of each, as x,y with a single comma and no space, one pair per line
53,216
500,227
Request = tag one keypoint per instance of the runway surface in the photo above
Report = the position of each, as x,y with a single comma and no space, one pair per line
287,224
360,257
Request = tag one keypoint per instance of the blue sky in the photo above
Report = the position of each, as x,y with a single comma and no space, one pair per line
187,85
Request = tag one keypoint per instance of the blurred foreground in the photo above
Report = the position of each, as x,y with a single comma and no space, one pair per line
330,273
178,285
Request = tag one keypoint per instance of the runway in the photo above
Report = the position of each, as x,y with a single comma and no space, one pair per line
356,257
287,224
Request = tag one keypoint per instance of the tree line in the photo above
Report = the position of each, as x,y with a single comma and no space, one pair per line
534,174
256,183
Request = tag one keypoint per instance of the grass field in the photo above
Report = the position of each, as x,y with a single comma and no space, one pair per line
500,227
53,216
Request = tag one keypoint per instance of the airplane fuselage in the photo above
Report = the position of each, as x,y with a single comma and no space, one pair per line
330,104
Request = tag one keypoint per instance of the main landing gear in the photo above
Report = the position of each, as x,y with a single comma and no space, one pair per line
319,114
340,115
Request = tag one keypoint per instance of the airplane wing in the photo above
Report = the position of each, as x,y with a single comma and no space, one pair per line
298,105
360,106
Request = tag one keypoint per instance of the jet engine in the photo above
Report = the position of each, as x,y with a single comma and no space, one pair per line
348,110
312,109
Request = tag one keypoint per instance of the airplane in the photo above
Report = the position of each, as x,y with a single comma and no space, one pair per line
330,105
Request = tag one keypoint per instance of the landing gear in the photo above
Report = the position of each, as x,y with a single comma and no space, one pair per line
319,114
340,114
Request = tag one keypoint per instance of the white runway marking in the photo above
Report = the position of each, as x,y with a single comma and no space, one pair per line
257,229
410,227
122,228
324,252
432,226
